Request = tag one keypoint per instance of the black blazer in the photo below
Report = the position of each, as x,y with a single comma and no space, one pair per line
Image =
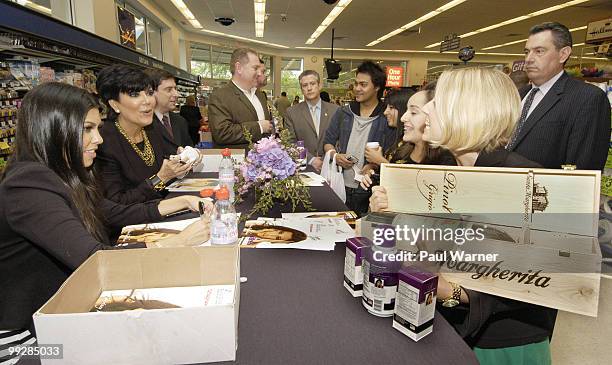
122,174
571,125
42,238
193,116
180,132
490,321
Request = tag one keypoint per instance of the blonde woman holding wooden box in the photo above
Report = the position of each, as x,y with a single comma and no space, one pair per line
473,115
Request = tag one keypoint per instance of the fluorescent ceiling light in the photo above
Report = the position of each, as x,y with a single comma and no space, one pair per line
406,51
333,14
260,17
420,20
195,23
33,5
524,40
243,38
579,44
180,5
518,19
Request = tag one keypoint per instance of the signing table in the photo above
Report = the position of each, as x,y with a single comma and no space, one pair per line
294,310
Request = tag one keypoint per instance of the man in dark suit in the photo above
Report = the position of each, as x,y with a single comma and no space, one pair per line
308,120
564,120
239,104
176,129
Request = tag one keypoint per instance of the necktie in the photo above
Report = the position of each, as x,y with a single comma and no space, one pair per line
166,123
523,117
315,120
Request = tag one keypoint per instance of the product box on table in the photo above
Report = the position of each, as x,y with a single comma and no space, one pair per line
415,302
539,229
152,336
353,274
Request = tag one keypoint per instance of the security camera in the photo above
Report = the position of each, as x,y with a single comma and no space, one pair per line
225,21
283,17
330,2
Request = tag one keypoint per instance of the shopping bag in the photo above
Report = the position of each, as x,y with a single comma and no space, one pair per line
333,175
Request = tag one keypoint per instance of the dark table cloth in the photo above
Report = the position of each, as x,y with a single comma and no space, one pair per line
295,310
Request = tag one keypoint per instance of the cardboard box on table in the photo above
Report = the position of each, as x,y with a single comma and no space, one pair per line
157,336
549,218
211,158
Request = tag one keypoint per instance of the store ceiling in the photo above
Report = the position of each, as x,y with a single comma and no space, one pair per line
363,21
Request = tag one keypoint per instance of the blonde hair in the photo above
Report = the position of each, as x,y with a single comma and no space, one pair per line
477,109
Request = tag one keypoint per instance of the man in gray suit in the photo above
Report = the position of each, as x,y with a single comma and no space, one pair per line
308,120
239,104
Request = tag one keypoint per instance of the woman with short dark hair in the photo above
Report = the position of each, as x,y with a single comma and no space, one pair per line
133,164
52,217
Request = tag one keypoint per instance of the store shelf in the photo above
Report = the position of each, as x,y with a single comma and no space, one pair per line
24,32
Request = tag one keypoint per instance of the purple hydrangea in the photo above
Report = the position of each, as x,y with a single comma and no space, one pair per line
268,160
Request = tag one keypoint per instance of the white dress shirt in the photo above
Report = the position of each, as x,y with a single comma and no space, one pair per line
541,93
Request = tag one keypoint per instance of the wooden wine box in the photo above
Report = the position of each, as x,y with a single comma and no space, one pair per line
538,221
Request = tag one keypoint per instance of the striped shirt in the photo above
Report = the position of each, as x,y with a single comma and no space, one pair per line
13,338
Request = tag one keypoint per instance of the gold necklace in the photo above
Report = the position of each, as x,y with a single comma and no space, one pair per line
147,155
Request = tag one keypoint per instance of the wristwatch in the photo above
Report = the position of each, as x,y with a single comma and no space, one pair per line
455,297
156,183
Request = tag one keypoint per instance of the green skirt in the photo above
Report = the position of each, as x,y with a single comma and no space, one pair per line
533,354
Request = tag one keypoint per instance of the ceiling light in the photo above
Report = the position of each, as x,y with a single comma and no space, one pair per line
524,40
333,14
579,44
517,19
420,20
33,5
180,5
260,17
244,38
406,51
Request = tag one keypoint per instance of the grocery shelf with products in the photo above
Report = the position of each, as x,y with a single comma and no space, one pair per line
35,48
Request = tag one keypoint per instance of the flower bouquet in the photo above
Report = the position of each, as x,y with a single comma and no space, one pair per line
271,170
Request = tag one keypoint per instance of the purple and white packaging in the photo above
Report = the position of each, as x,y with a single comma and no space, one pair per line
415,302
353,276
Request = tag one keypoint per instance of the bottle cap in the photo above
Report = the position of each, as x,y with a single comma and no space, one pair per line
207,193
226,152
222,193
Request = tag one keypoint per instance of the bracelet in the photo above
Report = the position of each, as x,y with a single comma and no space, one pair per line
156,183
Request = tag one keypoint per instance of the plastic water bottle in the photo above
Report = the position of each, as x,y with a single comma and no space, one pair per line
226,173
224,222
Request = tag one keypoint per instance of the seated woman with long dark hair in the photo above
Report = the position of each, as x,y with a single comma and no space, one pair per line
52,217
410,148
473,115
133,164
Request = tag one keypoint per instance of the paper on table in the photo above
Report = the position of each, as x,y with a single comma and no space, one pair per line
192,184
312,179
349,216
320,234
153,232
